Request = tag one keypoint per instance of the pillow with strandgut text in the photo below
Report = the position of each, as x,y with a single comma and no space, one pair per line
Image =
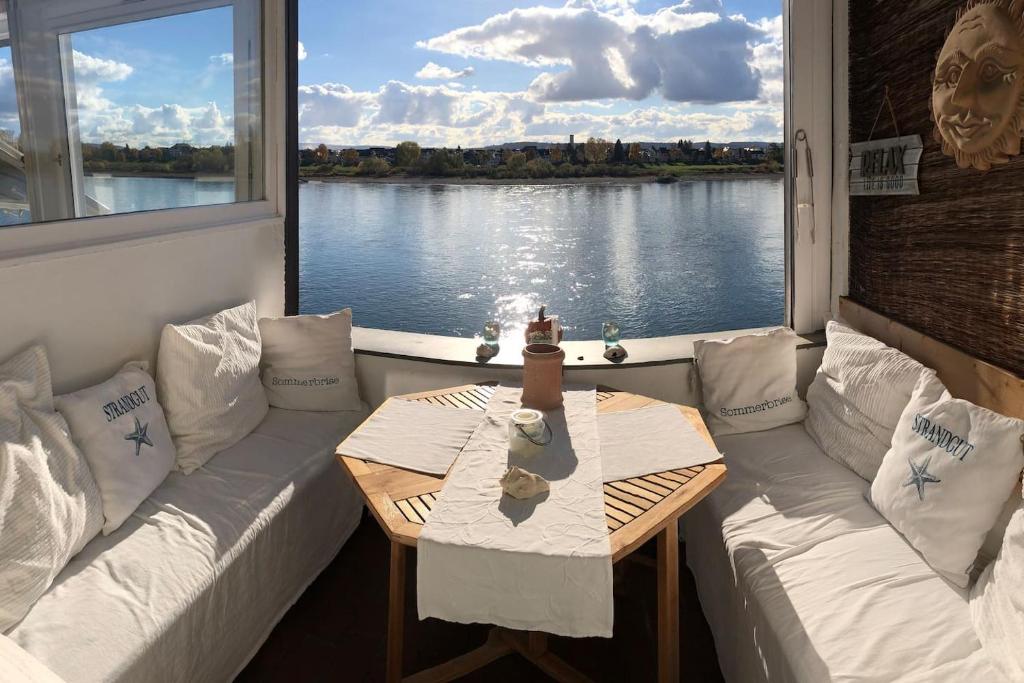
308,364
122,431
943,483
749,382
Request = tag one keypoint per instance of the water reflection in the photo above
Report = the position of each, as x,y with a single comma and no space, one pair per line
442,259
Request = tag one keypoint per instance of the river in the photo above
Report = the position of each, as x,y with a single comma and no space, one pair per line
693,256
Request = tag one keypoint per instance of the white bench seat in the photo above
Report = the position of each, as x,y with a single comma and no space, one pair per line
192,584
802,580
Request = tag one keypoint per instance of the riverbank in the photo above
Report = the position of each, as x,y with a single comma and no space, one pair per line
585,180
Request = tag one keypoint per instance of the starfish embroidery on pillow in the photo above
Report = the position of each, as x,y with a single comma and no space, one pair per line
139,436
919,476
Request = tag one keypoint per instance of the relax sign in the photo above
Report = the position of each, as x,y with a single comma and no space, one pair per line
885,167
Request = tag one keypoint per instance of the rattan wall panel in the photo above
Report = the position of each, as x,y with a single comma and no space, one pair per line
949,262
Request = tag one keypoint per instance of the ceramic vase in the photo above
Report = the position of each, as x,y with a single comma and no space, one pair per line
542,376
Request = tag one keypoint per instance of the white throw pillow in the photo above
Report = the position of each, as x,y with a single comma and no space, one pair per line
49,504
749,382
858,396
208,381
308,362
122,432
944,481
997,603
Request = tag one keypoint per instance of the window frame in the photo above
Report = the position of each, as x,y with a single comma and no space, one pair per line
34,240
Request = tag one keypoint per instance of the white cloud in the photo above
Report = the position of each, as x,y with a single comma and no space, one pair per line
432,71
223,59
92,69
442,115
302,51
690,52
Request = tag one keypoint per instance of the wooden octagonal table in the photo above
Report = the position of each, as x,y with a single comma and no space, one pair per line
636,510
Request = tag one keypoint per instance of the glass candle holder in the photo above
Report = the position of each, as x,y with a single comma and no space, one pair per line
610,333
492,332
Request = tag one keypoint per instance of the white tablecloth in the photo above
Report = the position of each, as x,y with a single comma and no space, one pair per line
542,564
647,440
422,437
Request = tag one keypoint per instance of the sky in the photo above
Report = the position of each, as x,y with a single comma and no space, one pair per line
448,72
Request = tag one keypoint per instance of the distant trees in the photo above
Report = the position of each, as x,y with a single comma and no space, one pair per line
539,168
619,152
516,162
350,157
407,154
556,155
634,153
372,166
595,151
322,153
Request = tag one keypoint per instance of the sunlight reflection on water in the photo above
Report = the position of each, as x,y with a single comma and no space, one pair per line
442,259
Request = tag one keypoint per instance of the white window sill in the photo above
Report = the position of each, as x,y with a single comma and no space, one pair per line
578,354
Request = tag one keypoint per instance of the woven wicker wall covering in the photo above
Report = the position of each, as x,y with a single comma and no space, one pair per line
949,262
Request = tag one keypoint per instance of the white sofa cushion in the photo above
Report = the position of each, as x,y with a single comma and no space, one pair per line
49,504
208,381
749,382
802,580
857,397
944,481
308,363
997,602
190,586
120,427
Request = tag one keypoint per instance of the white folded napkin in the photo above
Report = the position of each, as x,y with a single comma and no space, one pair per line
647,440
422,437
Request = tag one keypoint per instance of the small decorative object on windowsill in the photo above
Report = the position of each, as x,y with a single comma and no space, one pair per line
544,330
528,433
492,331
485,352
615,354
521,484
610,333
542,376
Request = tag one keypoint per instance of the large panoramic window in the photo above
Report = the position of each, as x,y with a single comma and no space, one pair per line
466,161
114,107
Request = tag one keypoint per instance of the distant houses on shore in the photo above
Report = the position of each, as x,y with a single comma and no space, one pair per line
683,151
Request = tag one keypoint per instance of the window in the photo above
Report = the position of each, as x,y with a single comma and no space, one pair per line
115,107
467,161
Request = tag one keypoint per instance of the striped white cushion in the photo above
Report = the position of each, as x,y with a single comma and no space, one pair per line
208,381
50,506
997,603
857,397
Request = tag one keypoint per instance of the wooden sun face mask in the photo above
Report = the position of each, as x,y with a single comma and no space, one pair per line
978,86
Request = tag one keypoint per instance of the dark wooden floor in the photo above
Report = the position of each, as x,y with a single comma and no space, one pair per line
335,632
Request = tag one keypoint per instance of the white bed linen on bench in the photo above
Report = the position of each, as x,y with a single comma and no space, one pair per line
802,580
192,584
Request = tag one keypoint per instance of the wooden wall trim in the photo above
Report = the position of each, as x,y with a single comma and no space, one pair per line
964,375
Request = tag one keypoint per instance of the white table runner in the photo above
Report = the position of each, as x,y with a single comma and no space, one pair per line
542,564
422,437
647,440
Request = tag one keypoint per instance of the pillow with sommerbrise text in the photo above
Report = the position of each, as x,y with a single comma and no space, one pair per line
946,477
749,382
121,430
308,364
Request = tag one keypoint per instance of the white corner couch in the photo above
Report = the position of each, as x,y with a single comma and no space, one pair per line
192,584
802,580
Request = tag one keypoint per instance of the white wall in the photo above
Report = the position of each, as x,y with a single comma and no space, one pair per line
97,308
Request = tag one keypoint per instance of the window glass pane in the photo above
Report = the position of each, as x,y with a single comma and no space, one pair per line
147,108
616,160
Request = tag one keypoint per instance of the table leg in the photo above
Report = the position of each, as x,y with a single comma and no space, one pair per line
396,612
668,603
